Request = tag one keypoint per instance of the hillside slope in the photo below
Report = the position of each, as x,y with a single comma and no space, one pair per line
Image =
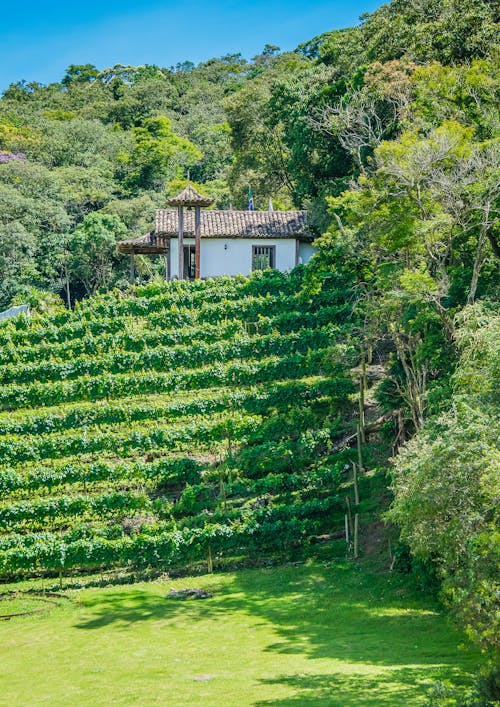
180,422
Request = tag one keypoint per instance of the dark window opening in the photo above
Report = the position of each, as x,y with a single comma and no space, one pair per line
189,262
263,257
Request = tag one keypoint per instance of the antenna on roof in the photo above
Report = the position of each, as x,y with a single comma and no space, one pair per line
271,207
189,176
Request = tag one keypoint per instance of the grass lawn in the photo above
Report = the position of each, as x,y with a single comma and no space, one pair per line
315,634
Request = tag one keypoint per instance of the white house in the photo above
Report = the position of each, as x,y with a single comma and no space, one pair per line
217,242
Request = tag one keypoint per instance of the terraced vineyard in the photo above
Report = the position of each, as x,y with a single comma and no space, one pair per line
181,422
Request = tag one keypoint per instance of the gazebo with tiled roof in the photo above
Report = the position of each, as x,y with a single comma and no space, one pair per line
188,220
189,198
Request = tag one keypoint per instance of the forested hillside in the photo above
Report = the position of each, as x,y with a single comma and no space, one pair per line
388,133
85,161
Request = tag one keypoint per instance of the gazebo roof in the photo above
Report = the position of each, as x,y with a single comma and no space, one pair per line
190,197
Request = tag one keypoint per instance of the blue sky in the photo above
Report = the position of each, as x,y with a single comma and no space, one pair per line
38,39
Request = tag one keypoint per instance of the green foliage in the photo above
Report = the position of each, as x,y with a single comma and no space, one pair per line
442,30
92,250
451,32
39,301
159,155
446,483
17,266
80,74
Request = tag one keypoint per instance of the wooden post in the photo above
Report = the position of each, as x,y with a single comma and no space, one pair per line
132,268
355,483
181,243
222,492
360,450
197,242
362,389
349,515
230,437
361,439
356,515
167,260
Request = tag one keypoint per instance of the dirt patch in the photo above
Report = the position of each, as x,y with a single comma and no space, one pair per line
376,540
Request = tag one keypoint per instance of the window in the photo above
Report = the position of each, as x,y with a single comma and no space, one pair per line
263,257
189,262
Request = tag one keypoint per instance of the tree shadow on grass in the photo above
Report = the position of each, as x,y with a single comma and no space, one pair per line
392,687
384,642
137,605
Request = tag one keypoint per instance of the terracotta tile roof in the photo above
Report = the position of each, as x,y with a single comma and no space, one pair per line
144,244
220,224
234,224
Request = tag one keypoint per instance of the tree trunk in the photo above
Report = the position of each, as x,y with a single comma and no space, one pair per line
68,294
356,536
362,389
476,270
349,516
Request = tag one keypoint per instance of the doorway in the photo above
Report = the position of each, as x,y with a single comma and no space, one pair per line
189,262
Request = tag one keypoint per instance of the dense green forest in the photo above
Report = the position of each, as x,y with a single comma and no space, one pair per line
388,133
87,160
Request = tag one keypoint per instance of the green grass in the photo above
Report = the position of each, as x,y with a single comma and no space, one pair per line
316,634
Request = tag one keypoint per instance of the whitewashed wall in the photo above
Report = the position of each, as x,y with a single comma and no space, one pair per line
221,256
